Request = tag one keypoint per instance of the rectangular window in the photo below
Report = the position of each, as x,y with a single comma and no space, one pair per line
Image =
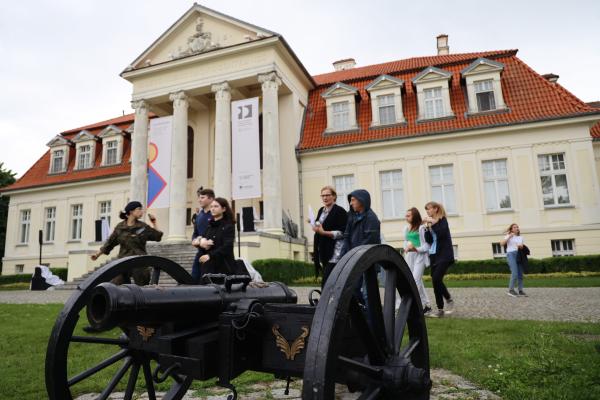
58,161
455,251
24,226
392,194
387,109
434,104
104,209
442,186
19,268
498,251
553,176
484,92
76,221
495,185
341,115
111,152
343,184
49,224
563,247
85,157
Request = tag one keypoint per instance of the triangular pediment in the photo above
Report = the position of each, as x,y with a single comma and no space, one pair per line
110,131
58,140
384,81
482,65
83,136
340,89
198,31
432,74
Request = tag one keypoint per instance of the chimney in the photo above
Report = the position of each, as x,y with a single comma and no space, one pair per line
342,65
442,45
551,77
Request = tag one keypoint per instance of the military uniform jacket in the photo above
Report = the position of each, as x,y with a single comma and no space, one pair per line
131,239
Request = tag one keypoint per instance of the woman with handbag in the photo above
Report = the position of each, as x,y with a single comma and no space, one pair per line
514,243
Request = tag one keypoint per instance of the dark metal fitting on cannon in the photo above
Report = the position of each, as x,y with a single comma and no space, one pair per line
165,374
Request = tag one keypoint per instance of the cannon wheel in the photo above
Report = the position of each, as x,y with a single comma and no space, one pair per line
58,384
389,369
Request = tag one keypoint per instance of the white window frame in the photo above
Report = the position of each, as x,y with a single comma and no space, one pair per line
394,191
49,224
435,97
24,226
19,268
104,210
340,112
498,250
76,223
482,87
496,179
344,185
455,251
84,156
562,247
557,166
55,167
445,184
386,109
108,147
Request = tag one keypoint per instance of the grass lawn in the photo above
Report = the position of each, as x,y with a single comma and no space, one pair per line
517,359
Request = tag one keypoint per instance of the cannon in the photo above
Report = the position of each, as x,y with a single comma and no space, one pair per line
166,337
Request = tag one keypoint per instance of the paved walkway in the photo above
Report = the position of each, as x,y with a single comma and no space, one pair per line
543,304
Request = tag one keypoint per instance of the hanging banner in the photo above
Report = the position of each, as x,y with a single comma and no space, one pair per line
159,162
245,149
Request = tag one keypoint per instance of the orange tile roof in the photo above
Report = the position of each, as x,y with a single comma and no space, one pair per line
595,130
528,95
38,174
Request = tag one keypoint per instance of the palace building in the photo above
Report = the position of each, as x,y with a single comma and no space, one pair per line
481,132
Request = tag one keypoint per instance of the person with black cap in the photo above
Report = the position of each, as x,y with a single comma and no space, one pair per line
131,235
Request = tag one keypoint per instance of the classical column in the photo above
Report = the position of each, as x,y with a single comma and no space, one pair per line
222,167
178,184
139,153
271,159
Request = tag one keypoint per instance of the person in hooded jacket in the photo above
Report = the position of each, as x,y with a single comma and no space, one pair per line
362,227
216,246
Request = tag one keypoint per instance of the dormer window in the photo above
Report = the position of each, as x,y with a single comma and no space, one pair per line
340,100
58,161
433,93
386,101
112,143
59,154
484,89
85,146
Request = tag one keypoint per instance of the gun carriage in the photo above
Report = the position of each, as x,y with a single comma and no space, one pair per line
187,332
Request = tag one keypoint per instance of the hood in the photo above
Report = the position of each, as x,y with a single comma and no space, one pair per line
363,196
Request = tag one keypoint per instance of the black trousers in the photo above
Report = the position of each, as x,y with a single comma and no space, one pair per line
438,270
327,268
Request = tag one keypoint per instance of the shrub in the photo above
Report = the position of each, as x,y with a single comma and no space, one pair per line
283,270
60,272
6,279
536,265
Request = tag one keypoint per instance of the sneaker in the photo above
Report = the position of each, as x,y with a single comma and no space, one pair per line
512,293
436,314
449,306
426,310
522,293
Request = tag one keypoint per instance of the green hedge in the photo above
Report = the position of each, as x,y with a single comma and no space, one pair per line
6,279
288,271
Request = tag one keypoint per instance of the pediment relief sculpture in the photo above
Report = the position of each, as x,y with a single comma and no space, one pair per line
199,42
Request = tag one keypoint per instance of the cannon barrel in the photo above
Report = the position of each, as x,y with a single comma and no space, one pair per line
111,305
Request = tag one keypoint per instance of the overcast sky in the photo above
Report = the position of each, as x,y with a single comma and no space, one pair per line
60,59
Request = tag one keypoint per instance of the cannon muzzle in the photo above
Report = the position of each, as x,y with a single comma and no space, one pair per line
111,305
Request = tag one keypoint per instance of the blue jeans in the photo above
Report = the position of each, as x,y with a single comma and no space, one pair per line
516,270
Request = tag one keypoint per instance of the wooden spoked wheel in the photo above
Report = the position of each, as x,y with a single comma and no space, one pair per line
63,369
363,341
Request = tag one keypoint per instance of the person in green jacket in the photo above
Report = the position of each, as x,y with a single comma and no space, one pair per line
131,236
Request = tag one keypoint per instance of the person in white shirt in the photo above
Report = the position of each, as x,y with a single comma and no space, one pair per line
513,242
416,252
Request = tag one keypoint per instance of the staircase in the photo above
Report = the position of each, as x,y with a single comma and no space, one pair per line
182,253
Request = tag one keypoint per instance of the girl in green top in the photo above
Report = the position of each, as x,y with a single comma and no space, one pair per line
416,252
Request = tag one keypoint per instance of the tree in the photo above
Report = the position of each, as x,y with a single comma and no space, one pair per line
7,177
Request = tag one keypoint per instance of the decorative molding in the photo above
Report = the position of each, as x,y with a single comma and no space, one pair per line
494,66
442,74
197,43
84,136
395,82
269,81
110,131
58,140
339,85
296,347
179,99
221,90
140,106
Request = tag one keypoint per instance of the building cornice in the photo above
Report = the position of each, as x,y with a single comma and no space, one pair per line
65,185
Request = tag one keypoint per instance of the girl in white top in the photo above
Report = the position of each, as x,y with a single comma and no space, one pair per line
514,241
416,252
